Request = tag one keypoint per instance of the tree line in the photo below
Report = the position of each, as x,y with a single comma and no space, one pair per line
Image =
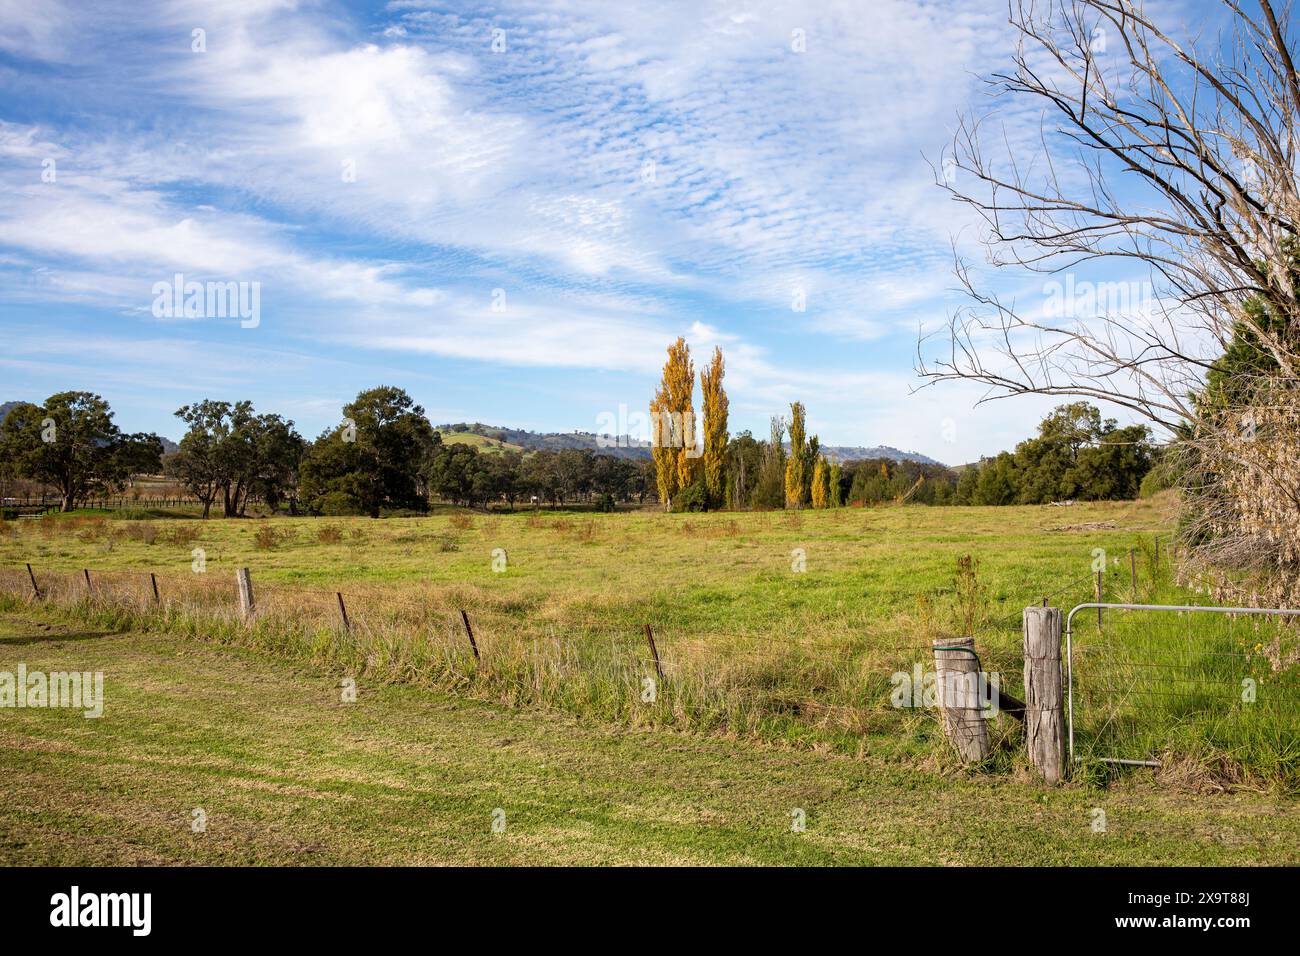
1076,455
385,456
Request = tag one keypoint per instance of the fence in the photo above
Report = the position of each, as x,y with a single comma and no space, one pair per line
1130,693
107,503
457,637
1214,676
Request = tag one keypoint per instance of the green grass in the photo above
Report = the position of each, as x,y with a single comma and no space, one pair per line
287,773
750,648
481,442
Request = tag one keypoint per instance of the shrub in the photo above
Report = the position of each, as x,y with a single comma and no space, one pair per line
605,504
145,531
267,538
329,534
335,503
461,522
184,534
1155,481
694,497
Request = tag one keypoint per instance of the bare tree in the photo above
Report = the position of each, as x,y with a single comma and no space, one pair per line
1176,156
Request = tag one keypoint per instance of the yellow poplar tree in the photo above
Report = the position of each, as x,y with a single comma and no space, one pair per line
715,427
671,412
820,483
796,479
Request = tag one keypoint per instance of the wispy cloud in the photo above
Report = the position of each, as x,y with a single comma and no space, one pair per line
748,173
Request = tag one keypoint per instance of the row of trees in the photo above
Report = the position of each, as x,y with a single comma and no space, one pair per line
385,456
1075,456
694,474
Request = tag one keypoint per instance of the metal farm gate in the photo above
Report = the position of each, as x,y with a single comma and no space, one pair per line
1225,675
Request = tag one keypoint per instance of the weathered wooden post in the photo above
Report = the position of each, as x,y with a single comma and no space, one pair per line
654,652
36,591
343,613
958,678
90,590
153,580
246,604
1099,585
1044,719
469,631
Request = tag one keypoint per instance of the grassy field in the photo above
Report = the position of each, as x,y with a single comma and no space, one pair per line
481,442
774,627
285,772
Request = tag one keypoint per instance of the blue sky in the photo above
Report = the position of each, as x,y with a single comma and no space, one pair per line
622,173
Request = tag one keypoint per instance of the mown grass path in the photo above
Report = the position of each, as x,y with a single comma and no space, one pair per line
288,773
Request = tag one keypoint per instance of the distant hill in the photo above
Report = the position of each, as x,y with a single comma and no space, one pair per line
619,446
860,453
622,446
483,443
499,438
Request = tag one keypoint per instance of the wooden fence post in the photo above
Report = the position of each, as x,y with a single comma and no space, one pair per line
1044,719
343,612
153,581
1099,585
246,603
958,680
654,652
473,644
90,590
36,591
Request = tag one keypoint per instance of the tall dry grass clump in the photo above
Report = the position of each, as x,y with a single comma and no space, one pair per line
1241,484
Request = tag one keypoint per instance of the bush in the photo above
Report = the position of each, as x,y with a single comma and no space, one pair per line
1155,481
605,504
336,503
695,497
268,538
329,534
145,531
185,534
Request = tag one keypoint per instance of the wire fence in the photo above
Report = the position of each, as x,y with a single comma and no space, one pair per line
1142,688
1153,683
423,633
